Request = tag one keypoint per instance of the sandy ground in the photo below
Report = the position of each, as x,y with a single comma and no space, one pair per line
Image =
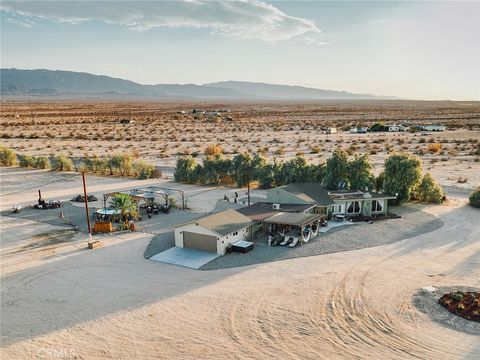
113,303
159,134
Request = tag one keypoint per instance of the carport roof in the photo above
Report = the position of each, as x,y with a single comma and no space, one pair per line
297,219
224,222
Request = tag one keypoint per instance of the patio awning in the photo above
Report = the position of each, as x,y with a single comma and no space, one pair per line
296,219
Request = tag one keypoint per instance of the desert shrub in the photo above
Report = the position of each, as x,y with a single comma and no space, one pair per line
42,162
213,150
379,126
429,190
403,174
7,157
121,164
26,161
434,148
143,170
474,199
62,163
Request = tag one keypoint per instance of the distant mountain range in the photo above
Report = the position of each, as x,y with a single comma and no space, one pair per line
43,83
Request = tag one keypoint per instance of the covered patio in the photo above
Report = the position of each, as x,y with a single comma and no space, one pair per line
148,195
283,222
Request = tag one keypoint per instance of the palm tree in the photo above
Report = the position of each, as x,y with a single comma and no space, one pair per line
125,205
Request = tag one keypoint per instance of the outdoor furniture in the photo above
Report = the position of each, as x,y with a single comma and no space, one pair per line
293,243
102,226
339,217
288,240
242,246
15,209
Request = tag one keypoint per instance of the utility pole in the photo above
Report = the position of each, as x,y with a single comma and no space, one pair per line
248,191
90,240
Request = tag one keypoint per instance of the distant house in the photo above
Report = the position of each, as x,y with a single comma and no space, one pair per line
215,232
434,128
126,121
394,128
331,130
353,130
362,130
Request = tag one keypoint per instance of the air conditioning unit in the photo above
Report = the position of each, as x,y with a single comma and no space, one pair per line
276,206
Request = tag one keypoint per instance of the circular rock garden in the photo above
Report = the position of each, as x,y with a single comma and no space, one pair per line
456,307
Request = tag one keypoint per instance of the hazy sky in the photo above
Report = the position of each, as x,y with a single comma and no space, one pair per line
418,50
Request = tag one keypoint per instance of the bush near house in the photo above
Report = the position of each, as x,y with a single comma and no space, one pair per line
403,175
41,162
7,157
62,163
143,170
429,190
26,161
474,199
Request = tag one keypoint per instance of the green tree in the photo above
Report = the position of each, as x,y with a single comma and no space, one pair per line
126,207
474,199
7,157
266,176
295,170
429,190
187,170
247,168
336,170
215,168
360,174
403,174
63,163
379,181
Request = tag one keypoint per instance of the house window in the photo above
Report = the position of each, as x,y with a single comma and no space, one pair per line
354,207
376,206
235,233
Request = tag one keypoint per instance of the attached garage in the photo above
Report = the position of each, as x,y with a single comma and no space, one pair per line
199,241
214,233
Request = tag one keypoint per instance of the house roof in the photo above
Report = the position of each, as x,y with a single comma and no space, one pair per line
297,219
357,195
224,222
313,193
262,210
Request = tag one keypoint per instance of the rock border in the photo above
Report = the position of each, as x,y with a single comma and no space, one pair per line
427,303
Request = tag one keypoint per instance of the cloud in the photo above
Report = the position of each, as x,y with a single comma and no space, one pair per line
312,41
244,19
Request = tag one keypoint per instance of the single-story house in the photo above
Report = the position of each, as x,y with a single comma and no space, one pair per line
312,194
356,202
316,199
214,232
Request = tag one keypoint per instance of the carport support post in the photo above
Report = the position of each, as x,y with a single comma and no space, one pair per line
86,208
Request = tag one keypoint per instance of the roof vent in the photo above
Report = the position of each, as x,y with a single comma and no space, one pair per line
367,195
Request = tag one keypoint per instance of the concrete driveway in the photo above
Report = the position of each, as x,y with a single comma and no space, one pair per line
190,258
